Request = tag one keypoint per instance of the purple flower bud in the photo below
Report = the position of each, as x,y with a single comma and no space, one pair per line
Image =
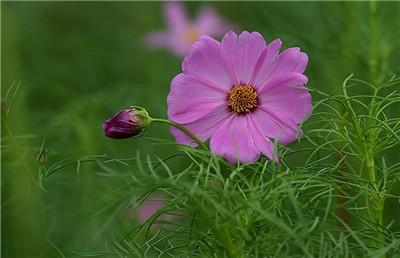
127,123
41,154
42,159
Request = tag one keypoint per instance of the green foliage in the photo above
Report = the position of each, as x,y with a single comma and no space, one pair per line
328,205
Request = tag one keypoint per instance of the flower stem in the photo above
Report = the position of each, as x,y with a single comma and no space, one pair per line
183,129
373,38
35,183
376,203
19,157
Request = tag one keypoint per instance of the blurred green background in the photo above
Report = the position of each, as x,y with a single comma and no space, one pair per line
81,62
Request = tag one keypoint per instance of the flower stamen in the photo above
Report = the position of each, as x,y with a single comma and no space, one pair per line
191,35
242,98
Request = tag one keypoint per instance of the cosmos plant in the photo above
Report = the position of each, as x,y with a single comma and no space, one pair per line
248,98
261,162
240,93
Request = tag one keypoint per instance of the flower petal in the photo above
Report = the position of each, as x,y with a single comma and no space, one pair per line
190,99
169,40
202,128
175,15
233,141
204,61
275,125
289,61
284,80
210,23
158,39
241,54
280,97
266,58
263,143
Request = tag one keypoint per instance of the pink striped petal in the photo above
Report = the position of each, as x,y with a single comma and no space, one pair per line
281,97
190,99
204,61
289,61
233,141
267,57
241,54
284,81
202,128
275,125
263,143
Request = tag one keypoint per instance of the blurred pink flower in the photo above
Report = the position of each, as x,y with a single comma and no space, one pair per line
150,207
181,33
239,94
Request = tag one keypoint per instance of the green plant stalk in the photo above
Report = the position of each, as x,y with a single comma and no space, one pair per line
372,61
374,211
41,208
19,157
183,129
31,179
225,236
376,202
39,172
221,233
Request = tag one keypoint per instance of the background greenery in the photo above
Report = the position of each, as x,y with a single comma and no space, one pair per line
81,62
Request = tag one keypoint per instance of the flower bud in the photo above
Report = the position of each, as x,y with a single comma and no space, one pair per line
41,159
127,123
41,154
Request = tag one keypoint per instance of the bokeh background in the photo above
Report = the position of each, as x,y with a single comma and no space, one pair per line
81,62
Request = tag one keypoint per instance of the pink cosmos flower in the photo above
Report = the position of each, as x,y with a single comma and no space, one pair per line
150,207
240,94
182,33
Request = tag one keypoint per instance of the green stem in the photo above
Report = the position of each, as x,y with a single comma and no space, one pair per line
371,172
183,129
373,29
376,202
39,172
19,157
221,233
32,180
42,211
230,248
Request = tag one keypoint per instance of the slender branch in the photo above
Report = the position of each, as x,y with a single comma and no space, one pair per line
183,129
19,157
33,181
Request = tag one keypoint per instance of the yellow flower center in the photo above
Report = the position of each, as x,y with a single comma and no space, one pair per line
191,35
242,98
